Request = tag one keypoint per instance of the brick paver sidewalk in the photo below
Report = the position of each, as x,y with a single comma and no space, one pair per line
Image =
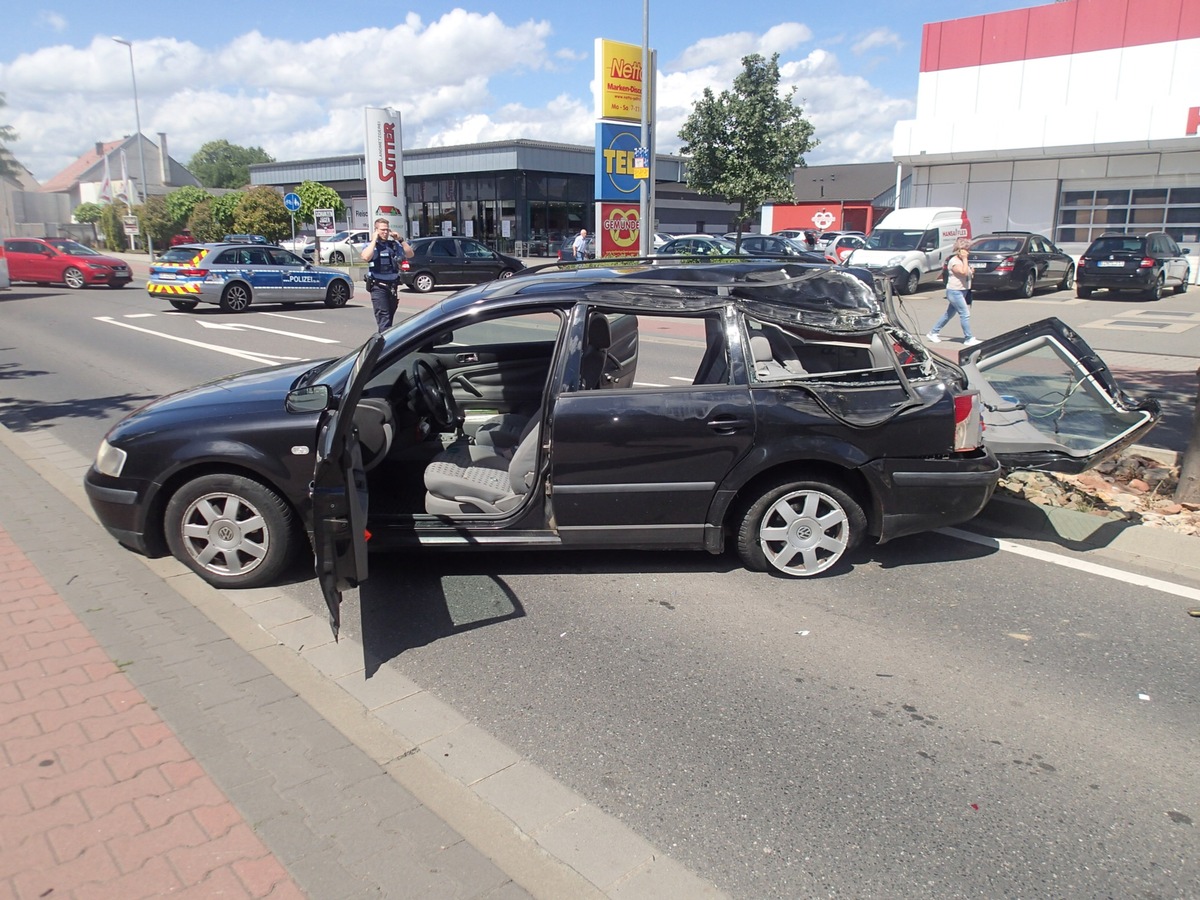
98,798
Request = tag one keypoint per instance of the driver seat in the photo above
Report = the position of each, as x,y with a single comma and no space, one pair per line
488,484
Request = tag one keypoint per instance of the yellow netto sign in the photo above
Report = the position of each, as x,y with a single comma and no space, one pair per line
619,80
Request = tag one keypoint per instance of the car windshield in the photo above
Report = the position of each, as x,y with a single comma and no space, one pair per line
73,247
340,236
893,239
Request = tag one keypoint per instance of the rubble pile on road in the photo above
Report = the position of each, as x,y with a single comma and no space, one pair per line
1131,487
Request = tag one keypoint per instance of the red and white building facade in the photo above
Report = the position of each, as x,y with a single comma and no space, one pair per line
1070,119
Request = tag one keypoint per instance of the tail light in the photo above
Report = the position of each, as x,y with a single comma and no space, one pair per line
968,424
1006,264
193,273
1146,263
405,265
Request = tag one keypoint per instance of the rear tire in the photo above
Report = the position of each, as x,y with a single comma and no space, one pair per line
422,283
1029,285
1083,292
184,305
338,295
1155,291
235,298
230,530
799,528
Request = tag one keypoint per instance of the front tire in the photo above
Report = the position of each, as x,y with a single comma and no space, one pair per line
184,305
235,298
1068,280
800,528
911,283
506,273
422,283
337,257
230,530
73,278
1182,287
338,295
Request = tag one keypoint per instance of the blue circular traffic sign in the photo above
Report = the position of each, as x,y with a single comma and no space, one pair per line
291,201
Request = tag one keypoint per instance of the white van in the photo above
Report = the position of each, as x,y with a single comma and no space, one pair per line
910,246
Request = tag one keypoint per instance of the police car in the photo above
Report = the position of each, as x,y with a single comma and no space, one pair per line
235,275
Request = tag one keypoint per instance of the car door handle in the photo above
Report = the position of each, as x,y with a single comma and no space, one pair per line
726,424
467,358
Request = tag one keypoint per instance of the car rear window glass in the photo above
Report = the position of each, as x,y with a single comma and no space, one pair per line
177,254
1118,244
996,245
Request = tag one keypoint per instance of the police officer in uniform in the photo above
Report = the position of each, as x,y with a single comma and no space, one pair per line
383,256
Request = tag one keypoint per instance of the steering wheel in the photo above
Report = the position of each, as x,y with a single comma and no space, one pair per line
433,385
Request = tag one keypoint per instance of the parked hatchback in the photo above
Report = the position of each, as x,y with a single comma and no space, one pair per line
455,261
799,420
1018,262
233,276
63,261
1147,264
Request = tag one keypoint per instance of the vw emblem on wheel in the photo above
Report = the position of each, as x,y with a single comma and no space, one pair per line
225,533
804,532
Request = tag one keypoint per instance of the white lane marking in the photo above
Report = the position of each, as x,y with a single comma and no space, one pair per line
228,351
230,326
293,318
141,315
1157,584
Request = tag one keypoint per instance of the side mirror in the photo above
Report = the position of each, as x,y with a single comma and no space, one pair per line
315,398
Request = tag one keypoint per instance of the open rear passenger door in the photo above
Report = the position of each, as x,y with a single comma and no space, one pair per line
1049,402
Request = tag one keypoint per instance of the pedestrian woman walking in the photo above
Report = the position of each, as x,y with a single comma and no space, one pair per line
958,293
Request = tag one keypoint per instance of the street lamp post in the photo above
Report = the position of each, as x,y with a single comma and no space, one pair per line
137,114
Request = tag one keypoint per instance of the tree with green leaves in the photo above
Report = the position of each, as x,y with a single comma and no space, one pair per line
224,211
314,195
202,224
8,165
220,164
112,226
261,211
88,213
182,201
745,144
156,220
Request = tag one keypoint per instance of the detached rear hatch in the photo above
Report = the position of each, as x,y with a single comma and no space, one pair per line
1050,403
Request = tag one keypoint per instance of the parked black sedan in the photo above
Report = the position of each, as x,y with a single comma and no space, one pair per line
529,413
1019,262
1146,264
454,261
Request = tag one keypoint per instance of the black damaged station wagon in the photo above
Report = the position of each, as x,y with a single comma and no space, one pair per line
774,406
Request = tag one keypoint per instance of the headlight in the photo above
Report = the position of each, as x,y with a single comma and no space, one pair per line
109,460
895,260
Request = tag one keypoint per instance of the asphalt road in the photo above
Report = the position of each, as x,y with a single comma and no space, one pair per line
940,720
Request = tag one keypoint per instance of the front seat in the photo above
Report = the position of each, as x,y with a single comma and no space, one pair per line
596,367
491,484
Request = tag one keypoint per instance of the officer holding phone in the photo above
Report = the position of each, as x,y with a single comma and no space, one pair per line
383,256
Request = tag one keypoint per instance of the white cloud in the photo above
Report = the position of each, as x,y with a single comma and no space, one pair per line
52,20
300,99
873,40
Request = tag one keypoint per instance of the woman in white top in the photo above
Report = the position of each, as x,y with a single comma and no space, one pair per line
957,285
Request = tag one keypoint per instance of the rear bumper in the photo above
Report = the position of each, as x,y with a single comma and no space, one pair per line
1138,279
918,495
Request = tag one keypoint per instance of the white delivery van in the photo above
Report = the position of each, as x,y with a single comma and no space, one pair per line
909,246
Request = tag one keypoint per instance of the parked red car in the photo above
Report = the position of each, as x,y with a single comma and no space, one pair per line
63,261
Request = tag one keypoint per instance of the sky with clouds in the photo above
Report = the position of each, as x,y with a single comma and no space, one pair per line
293,78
